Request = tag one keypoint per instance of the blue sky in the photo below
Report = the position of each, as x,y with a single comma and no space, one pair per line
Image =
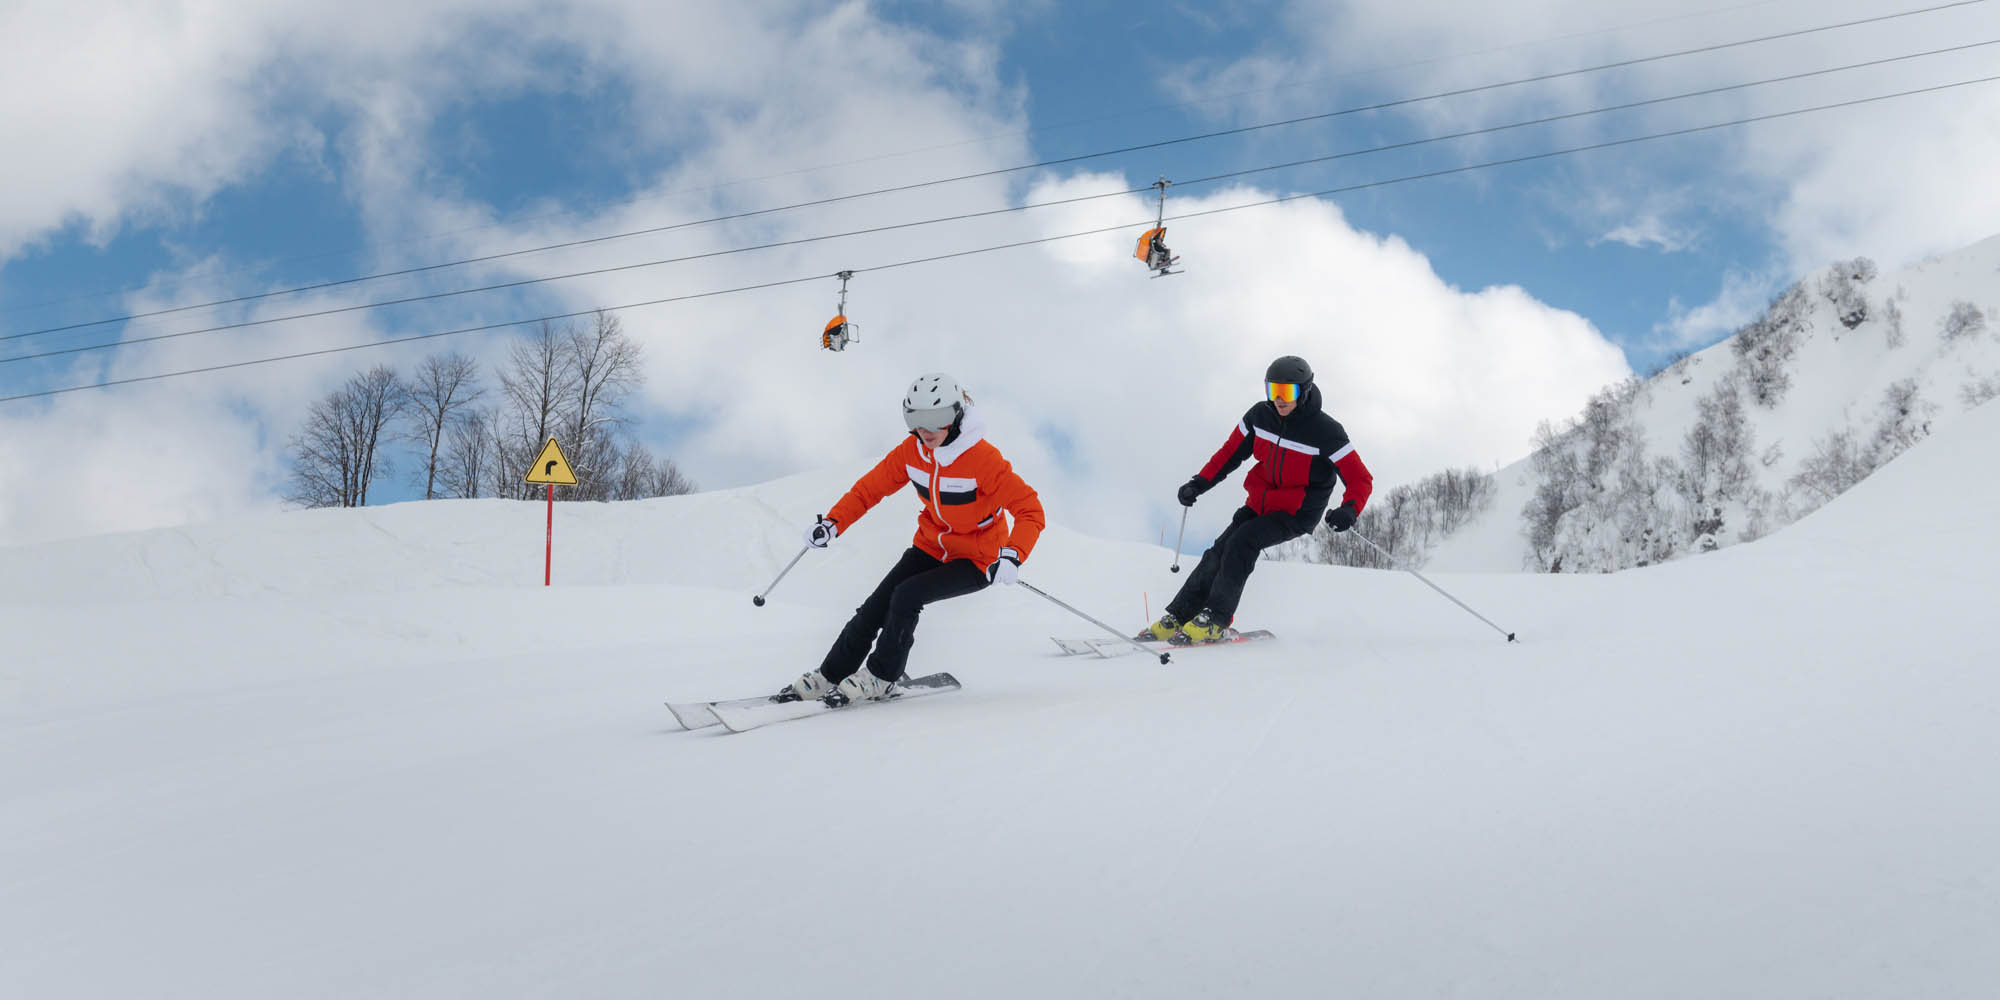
236,150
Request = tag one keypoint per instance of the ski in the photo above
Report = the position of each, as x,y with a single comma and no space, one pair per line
742,716
1118,647
696,714
701,714
745,714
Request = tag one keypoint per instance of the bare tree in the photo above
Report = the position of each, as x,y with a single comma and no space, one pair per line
537,387
603,367
337,454
641,475
669,480
568,383
443,385
468,453
635,472
502,473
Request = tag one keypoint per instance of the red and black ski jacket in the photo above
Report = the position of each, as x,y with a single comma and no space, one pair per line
1299,457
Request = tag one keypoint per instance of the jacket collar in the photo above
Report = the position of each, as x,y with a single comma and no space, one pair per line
1306,408
971,431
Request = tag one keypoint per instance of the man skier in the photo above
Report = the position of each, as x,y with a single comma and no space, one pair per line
1300,451
963,542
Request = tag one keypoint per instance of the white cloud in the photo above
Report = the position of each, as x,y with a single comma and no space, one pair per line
1744,296
1650,231
1896,181
1107,387
148,458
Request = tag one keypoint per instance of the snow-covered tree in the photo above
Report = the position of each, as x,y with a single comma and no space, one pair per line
1892,323
1904,420
1842,286
1408,521
1964,320
1765,348
1977,391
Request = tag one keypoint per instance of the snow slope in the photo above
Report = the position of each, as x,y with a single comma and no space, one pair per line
364,753
1839,378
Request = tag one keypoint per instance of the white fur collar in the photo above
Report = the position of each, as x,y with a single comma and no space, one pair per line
970,432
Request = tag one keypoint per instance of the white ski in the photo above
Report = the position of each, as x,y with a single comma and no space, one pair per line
745,714
1108,646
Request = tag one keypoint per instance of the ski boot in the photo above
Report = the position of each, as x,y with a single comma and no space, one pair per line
809,687
865,686
1204,628
1163,630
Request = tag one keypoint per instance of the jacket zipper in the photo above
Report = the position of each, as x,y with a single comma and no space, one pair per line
937,471
1277,465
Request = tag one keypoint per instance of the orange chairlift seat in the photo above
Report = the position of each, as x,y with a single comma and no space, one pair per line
839,332
1153,244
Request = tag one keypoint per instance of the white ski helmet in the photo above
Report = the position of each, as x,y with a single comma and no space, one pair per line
934,402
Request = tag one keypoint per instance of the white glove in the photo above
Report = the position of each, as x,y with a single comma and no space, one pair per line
822,532
1005,570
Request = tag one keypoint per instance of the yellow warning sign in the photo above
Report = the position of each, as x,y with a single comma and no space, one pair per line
552,467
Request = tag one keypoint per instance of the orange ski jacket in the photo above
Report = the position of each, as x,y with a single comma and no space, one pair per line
964,486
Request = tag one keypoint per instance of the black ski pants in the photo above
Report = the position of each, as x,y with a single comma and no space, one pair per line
917,579
1217,582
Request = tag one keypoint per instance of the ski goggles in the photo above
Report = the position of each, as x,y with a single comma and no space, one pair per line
1283,392
935,419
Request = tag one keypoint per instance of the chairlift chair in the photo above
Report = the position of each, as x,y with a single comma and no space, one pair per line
1153,243
839,332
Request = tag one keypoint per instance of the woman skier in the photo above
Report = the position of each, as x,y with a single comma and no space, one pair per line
963,541
1300,452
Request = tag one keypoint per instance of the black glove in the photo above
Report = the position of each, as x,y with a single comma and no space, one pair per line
1192,491
1342,517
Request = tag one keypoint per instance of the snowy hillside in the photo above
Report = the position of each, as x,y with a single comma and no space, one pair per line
365,753
1821,403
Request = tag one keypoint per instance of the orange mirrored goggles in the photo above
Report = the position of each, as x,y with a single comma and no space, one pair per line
1283,392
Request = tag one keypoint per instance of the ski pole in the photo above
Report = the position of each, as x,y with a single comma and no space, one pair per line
1433,586
1141,646
1176,567
759,599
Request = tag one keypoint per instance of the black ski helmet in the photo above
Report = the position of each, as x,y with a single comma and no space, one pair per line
1289,369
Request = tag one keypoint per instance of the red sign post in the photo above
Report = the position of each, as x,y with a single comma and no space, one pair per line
552,470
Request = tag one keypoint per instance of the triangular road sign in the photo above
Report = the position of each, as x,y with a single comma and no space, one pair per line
552,467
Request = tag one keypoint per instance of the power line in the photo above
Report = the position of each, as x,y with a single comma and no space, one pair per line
1787,78
820,167
335,310
1059,161
1023,243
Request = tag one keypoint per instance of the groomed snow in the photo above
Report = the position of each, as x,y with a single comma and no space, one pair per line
364,753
